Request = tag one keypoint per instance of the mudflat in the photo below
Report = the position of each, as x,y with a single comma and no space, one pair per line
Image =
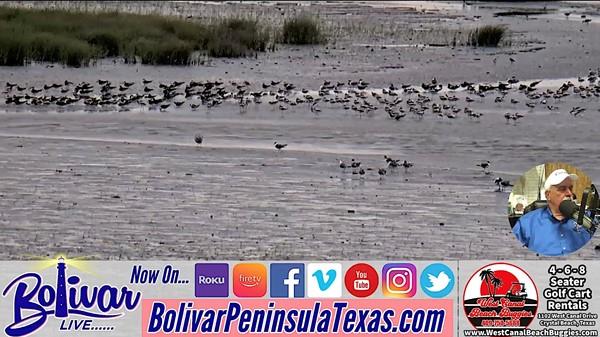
130,182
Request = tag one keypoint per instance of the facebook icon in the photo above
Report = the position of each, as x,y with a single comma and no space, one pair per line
287,280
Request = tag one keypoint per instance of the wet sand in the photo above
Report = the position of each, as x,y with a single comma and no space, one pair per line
112,184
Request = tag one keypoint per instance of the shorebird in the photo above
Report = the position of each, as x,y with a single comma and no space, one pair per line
314,108
576,111
279,146
501,183
393,163
382,172
198,139
484,165
342,164
407,165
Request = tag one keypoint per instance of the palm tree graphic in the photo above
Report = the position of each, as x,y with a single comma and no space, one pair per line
496,282
487,275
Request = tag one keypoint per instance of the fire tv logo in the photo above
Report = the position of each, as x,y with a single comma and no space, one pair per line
249,280
361,280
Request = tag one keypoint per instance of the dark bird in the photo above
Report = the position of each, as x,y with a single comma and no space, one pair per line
505,183
198,139
279,146
407,165
354,164
484,165
512,60
501,183
382,172
392,162
342,164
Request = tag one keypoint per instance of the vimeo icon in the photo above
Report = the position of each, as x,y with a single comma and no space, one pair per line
324,280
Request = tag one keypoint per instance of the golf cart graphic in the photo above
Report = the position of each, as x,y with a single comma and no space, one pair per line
516,292
500,296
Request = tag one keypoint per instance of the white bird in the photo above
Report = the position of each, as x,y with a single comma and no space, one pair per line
438,283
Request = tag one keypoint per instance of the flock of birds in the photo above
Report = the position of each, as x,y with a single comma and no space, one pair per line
391,164
398,102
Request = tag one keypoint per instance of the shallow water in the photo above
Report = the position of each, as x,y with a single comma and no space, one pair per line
132,184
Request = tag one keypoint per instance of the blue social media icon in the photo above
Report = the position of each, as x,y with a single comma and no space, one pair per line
287,280
324,285
437,280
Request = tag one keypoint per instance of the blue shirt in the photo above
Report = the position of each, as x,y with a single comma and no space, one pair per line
541,232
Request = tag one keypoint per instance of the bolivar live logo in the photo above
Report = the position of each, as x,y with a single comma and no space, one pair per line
500,296
34,302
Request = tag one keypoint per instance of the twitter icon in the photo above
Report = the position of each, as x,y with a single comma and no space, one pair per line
437,280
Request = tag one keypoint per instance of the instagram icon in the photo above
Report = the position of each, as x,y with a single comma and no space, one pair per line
399,280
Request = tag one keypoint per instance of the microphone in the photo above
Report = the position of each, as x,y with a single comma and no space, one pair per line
570,210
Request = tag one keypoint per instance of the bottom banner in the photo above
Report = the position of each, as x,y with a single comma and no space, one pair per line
68,296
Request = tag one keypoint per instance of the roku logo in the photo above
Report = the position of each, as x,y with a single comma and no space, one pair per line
211,280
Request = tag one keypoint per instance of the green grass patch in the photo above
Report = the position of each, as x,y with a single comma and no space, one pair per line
301,30
487,36
525,12
235,37
78,38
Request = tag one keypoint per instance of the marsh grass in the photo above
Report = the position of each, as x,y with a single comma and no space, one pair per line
178,33
235,37
302,30
525,12
78,38
487,36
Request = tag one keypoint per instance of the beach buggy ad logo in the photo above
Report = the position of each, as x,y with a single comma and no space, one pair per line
500,296
78,306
